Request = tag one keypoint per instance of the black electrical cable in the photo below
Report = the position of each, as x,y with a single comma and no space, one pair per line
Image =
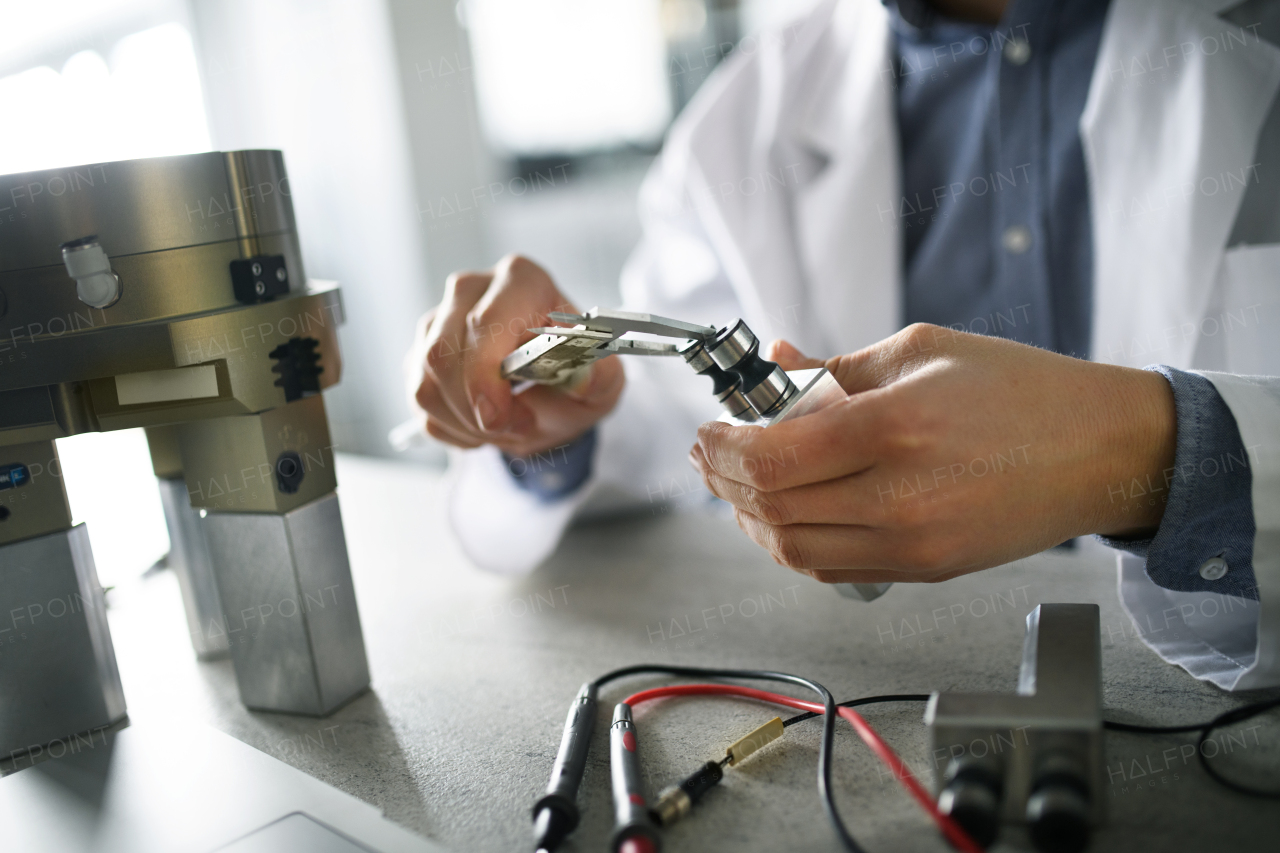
869,700
825,747
1151,730
1226,718
1235,715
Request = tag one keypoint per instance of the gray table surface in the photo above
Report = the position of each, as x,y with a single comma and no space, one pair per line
473,674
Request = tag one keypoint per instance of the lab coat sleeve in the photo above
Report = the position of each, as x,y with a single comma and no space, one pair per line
1232,642
640,461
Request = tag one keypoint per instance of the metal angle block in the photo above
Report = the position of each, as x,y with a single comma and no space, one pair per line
1045,741
58,674
44,412
189,560
289,608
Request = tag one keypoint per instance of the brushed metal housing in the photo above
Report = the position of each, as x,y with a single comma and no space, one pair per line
289,607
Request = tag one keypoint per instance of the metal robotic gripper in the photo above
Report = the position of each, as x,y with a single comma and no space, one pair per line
169,293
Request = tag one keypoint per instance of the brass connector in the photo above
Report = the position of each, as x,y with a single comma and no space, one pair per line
762,736
673,803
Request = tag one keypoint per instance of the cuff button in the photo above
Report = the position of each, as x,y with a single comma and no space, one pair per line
1213,568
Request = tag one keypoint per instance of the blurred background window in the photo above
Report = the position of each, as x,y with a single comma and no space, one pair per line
567,76
99,109
421,137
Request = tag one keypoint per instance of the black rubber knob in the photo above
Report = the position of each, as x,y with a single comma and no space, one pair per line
971,796
1058,817
975,807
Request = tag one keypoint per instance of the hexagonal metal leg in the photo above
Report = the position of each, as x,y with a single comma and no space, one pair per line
290,609
189,559
58,674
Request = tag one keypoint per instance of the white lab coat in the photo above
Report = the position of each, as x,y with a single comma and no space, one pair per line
773,201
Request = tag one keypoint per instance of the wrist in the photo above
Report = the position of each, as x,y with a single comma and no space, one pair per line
556,472
1137,444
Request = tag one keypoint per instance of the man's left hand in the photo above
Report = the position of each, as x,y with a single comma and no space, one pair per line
952,453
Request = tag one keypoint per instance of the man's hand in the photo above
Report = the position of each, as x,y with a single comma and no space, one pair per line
953,453
454,368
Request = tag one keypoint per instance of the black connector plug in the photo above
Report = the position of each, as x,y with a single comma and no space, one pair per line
675,802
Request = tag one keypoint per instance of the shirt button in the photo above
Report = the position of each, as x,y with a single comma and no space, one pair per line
1016,239
1017,51
1213,568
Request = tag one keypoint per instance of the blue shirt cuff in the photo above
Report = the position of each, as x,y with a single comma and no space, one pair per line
1208,499
554,473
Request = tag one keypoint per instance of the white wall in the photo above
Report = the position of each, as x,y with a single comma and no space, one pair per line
322,81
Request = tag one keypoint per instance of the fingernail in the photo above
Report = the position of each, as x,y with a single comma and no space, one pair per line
583,388
486,414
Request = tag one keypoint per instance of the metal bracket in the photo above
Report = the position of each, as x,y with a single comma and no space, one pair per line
1033,757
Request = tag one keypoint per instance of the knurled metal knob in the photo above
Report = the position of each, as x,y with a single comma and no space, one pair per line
765,384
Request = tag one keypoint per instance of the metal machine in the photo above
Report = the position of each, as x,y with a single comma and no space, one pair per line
752,390
169,293
1033,757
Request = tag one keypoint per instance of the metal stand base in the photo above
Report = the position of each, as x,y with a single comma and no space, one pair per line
290,609
189,559
58,674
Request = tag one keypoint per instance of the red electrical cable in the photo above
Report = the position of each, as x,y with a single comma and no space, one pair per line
724,690
952,830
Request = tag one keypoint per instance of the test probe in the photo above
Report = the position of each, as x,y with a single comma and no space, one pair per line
578,728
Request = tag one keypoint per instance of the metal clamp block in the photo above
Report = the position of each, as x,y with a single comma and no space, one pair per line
1039,751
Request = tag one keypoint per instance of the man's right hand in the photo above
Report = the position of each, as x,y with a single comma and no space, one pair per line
454,368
